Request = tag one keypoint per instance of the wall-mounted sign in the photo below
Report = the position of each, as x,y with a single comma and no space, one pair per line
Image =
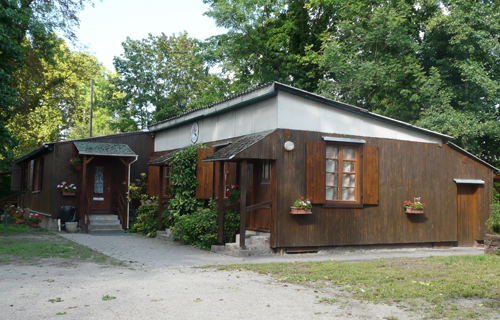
194,132
98,199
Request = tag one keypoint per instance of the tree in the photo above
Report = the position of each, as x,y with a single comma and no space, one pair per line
27,25
270,40
435,64
160,77
52,96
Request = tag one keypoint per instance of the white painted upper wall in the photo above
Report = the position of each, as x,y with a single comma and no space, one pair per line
298,113
257,117
284,111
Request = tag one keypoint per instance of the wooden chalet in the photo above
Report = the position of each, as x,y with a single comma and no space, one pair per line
109,163
280,143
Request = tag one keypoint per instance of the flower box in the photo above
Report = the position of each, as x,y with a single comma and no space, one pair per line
68,194
294,210
411,210
78,167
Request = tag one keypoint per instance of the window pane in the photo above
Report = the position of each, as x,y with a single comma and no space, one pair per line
99,179
348,180
348,166
349,153
348,194
332,152
332,179
332,165
332,193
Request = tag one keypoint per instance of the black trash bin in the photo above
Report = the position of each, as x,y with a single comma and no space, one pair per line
68,214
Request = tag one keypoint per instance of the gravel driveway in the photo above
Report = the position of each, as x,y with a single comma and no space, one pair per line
159,283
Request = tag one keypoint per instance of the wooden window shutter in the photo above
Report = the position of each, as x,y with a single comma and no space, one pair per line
31,173
16,177
315,171
153,180
370,175
204,174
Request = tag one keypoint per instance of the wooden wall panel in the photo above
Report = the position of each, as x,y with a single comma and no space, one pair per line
153,180
370,175
406,170
204,174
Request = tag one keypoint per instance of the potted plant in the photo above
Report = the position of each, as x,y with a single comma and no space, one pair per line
415,207
75,162
301,206
67,188
34,220
233,194
492,239
17,214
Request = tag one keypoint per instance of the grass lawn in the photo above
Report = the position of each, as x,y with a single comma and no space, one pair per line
453,287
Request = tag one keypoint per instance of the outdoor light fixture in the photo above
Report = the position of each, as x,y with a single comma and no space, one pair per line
289,146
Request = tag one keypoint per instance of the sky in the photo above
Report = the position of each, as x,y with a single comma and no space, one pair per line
104,27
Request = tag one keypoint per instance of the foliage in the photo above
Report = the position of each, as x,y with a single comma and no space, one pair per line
493,222
302,203
270,40
416,204
147,218
183,180
200,228
435,64
138,190
160,77
16,213
29,28
66,186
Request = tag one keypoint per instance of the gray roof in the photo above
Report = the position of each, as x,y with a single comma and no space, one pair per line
240,145
163,160
104,149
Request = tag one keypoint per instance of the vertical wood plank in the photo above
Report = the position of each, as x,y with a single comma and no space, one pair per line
370,175
220,203
160,196
315,171
243,203
154,180
204,174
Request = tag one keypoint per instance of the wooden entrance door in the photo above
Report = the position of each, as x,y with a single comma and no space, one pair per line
99,187
467,217
260,219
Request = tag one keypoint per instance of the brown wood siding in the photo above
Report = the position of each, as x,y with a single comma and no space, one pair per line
406,170
16,177
57,168
204,175
315,171
153,180
370,175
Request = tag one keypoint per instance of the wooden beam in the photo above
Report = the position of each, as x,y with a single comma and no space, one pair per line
124,162
127,179
83,200
243,202
160,197
220,204
260,205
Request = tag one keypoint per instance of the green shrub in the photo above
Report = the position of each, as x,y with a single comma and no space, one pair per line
200,228
147,218
493,222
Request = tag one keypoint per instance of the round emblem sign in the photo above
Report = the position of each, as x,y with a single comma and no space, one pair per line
194,132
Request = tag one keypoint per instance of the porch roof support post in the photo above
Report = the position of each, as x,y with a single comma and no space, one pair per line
160,197
83,193
220,204
243,202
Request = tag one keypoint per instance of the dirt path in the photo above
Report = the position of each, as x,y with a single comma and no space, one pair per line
163,292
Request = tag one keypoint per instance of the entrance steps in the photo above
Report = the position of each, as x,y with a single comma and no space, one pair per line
256,243
105,224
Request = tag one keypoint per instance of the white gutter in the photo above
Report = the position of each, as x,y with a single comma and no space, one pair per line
128,186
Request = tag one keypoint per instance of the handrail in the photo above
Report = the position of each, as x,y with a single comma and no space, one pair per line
12,195
87,213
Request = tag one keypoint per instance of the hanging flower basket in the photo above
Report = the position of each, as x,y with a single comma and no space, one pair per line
79,167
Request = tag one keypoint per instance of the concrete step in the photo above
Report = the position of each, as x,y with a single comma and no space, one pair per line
165,235
256,243
103,217
106,231
106,226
